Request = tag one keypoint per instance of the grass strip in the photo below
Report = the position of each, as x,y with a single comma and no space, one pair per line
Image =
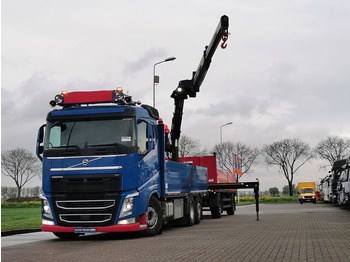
20,218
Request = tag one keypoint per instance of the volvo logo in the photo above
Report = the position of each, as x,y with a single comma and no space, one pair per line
85,162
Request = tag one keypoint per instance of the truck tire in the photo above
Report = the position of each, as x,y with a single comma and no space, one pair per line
191,211
215,206
198,210
66,236
231,210
154,218
189,217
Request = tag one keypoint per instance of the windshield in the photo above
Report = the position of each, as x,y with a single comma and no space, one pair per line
88,137
307,190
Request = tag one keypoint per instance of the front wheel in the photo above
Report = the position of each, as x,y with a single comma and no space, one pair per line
154,218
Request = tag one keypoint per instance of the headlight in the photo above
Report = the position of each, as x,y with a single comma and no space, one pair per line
45,208
128,205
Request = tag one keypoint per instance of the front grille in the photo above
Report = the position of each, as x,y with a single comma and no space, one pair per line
86,218
86,200
85,183
85,204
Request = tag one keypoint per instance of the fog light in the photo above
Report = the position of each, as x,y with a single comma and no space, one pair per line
47,222
127,221
59,99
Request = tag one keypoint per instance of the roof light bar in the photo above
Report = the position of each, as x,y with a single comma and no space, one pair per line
92,97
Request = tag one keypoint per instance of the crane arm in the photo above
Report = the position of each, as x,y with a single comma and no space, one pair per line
191,87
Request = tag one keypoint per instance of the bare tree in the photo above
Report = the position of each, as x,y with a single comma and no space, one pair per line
333,148
20,165
289,155
224,155
190,147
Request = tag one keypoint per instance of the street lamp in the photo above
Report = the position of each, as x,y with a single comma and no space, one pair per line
229,123
156,78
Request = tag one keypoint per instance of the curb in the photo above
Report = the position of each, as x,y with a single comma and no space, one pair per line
19,231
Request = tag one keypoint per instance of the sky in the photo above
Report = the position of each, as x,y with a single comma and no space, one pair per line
284,73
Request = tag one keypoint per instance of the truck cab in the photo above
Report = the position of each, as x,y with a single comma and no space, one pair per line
101,163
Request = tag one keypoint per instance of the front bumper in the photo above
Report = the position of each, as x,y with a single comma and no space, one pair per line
141,225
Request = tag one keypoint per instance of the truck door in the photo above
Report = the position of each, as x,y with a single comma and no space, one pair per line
146,137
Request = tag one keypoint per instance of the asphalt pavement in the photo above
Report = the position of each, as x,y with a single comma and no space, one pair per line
285,232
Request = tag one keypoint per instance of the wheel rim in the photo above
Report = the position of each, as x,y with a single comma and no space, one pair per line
152,217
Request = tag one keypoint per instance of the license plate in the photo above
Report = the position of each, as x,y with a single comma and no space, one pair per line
85,230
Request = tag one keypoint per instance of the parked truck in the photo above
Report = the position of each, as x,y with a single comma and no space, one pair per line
335,187
343,185
105,169
307,192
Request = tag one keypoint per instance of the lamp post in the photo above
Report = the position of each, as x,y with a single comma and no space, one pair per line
156,78
229,123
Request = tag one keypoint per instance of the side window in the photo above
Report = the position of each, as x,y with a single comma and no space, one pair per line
142,137
153,137
55,137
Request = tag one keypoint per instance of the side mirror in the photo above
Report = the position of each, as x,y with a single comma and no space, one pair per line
39,142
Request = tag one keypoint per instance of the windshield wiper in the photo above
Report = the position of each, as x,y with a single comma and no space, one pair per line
67,150
114,148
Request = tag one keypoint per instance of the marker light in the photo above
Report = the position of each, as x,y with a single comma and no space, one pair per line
64,92
119,96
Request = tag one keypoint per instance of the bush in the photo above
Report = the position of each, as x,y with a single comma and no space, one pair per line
247,199
268,199
26,204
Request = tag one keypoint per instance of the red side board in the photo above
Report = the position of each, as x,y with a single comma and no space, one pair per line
214,175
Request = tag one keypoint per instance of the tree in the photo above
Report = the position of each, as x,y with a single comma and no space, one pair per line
224,155
289,155
285,190
190,147
333,148
274,191
8,192
20,165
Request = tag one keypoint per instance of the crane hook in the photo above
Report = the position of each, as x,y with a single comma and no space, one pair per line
224,39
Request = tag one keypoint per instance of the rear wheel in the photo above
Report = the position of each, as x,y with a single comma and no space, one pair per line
231,210
191,212
154,217
215,206
198,210
189,217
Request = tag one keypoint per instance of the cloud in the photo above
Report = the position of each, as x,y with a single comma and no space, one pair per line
284,74
144,60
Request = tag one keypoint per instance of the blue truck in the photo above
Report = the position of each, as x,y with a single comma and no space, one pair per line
109,166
